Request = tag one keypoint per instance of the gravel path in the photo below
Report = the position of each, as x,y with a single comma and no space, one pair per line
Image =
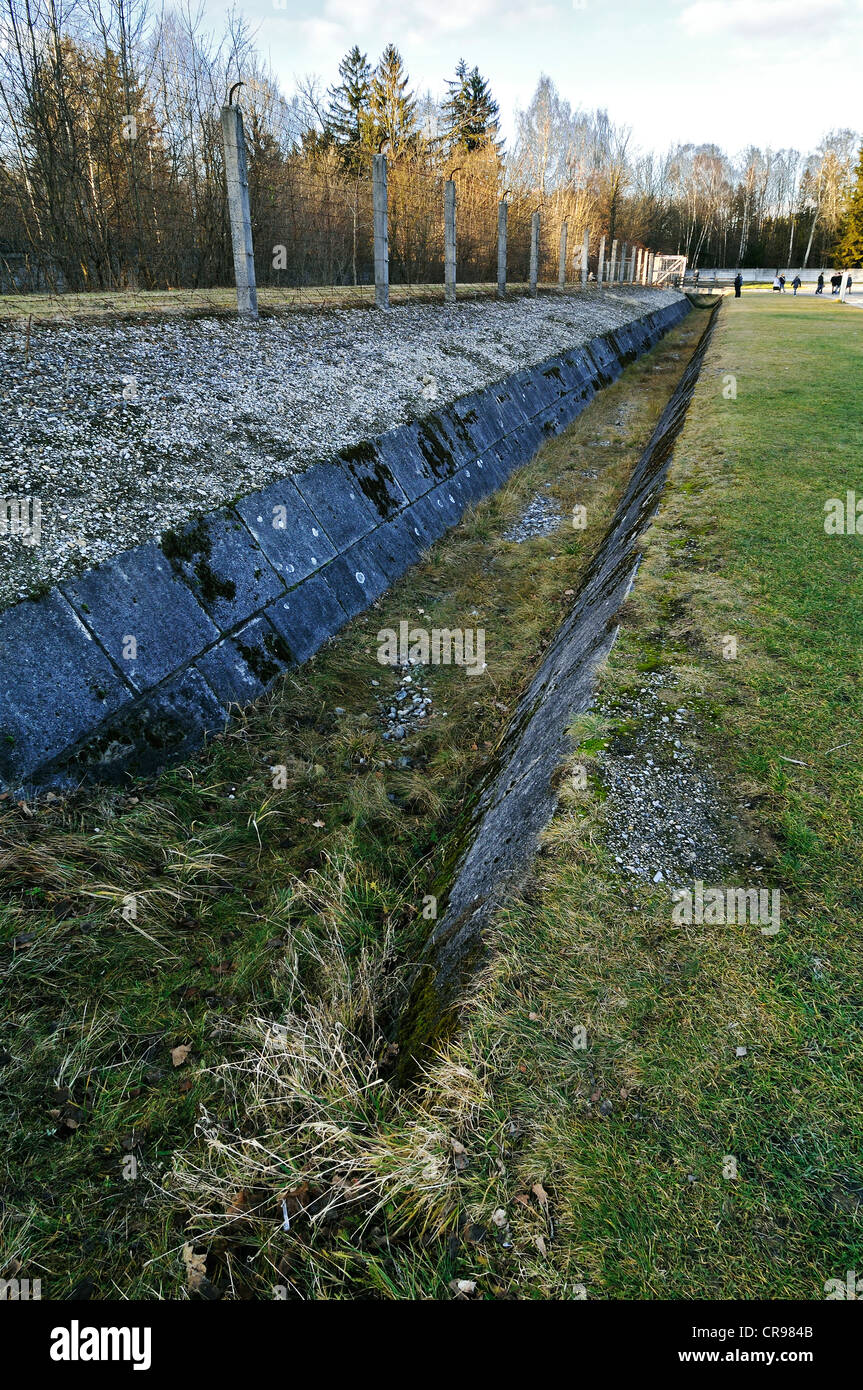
662,807
540,517
122,430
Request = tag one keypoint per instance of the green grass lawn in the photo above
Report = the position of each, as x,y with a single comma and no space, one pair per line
712,1042
278,929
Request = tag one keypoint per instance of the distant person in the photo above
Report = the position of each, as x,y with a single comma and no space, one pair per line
835,283
796,283
777,284
848,283
819,289
738,285
782,284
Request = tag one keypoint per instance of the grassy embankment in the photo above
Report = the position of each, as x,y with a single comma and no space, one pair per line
598,1169
705,1042
301,906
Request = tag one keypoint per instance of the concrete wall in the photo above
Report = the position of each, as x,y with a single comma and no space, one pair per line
135,662
760,276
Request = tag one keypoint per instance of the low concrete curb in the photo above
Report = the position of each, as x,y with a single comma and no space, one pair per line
131,665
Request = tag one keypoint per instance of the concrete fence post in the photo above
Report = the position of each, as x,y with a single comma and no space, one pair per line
650,267
621,273
561,260
534,253
237,181
638,266
449,240
382,244
585,247
613,262
632,267
501,248
600,265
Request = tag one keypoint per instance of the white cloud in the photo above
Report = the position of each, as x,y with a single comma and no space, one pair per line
767,19
318,33
366,20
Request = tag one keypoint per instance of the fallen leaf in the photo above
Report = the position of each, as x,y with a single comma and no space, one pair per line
459,1155
540,1194
195,1266
297,1199
180,1054
463,1287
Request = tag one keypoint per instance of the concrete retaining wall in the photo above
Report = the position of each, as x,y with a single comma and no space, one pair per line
134,663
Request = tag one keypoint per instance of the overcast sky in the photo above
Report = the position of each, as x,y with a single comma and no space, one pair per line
736,72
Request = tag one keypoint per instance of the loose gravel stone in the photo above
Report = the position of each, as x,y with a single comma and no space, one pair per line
124,429
410,706
662,809
539,518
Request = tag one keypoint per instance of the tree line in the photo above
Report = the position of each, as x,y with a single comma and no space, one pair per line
111,170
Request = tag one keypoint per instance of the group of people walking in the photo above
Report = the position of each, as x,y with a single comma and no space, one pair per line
835,284
779,283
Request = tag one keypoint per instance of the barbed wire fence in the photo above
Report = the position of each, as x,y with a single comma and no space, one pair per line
406,229
302,228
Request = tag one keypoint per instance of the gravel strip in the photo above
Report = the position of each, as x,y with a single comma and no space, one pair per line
662,808
124,429
540,517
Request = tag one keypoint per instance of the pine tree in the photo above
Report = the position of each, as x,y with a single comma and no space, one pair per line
849,247
393,106
470,112
454,107
349,121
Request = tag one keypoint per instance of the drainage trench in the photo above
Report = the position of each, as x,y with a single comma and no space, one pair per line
517,798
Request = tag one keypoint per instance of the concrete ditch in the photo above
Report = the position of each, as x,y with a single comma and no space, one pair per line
517,797
134,663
